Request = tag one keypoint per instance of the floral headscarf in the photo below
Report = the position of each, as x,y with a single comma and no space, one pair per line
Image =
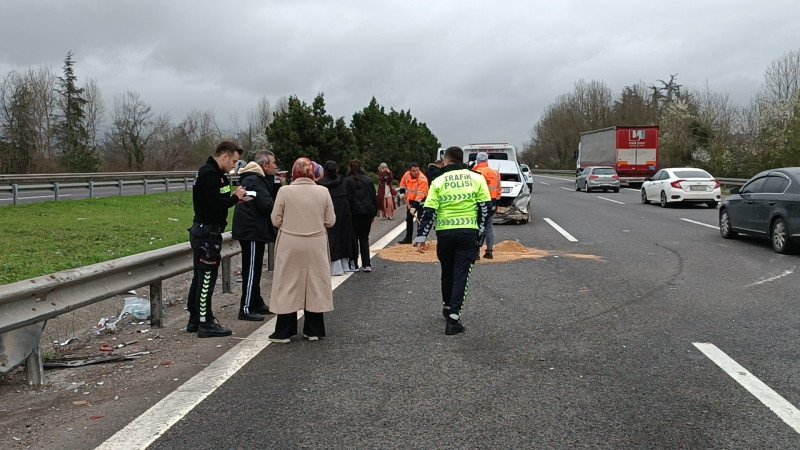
302,168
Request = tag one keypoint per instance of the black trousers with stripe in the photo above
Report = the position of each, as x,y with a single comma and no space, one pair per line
457,251
252,265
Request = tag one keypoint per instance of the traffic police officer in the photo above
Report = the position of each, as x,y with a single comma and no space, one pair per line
459,201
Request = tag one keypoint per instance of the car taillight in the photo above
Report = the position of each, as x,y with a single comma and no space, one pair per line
593,177
717,185
616,177
677,184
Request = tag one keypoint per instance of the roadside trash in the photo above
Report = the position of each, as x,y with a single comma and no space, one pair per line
144,331
80,403
125,344
132,292
95,417
57,344
137,307
173,219
106,348
166,363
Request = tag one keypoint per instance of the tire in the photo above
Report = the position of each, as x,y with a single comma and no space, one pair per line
711,204
725,229
577,189
644,197
780,237
615,190
663,201
586,186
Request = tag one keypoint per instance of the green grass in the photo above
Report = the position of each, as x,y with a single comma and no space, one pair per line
43,238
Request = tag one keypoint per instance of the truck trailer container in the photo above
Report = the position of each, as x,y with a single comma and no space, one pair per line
632,151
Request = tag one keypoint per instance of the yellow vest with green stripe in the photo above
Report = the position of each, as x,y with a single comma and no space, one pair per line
455,195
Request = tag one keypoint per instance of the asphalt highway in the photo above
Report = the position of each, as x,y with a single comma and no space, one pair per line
659,334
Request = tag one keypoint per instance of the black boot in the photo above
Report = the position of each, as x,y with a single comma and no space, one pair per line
212,329
453,326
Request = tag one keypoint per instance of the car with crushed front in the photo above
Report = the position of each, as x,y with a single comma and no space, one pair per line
514,204
597,177
768,206
681,185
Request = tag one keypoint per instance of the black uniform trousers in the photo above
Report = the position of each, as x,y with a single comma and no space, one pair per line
457,251
362,225
409,224
252,265
206,242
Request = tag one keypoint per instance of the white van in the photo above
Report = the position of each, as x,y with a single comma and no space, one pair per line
495,151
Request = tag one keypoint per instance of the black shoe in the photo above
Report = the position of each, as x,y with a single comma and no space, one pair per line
213,329
252,316
279,340
263,310
404,241
453,327
488,255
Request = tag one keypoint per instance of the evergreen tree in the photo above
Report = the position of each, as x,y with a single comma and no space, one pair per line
73,137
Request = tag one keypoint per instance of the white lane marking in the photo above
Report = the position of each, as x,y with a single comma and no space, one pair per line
567,189
632,189
609,200
767,280
700,223
154,422
564,178
546,184
785,410
560,230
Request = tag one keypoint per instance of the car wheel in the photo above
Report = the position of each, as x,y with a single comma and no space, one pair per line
586,187
577,188
711,204
781,242
616,190
644,197
725,225
663,201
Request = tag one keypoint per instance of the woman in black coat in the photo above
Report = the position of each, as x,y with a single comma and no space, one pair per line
340,235
363,202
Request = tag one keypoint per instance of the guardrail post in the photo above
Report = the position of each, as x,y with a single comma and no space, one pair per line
91,189
55,190
156,304
15,192
166,184
185,184
34,367
144,183
270,256
226,276
120,183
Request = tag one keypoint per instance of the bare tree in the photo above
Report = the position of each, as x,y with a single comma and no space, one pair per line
133,128
94,110
782,78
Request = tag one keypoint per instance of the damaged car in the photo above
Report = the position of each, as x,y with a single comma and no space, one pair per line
514,204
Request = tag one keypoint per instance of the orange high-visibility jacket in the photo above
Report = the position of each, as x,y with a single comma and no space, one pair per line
492,179
416,189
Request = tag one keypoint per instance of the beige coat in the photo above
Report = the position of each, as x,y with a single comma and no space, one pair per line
302,278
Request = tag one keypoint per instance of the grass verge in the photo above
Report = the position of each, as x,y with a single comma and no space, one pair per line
43,238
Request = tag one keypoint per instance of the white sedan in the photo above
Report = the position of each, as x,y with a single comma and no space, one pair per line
681,184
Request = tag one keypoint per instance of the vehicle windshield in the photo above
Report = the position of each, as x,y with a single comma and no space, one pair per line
509,177
695,173
604,171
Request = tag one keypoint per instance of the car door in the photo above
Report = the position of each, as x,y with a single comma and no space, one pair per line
651,188
582,178
741,211
764,203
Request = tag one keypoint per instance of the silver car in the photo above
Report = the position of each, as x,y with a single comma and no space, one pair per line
597,177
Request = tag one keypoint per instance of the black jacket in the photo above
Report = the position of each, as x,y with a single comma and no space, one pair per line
212,195
361,195
251,219
340,235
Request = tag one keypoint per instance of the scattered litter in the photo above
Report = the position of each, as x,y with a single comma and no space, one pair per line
172,219
82,218
17,439
106,348
166,363
219,345
100,383
66,362
125,344
57,344
138,307
116,397
95,417
147,330
80,403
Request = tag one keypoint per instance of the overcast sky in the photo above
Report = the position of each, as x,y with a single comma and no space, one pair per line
473,71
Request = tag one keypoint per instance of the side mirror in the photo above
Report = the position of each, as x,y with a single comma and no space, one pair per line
735,190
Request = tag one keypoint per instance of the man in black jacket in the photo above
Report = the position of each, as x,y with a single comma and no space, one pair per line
252,228
211,197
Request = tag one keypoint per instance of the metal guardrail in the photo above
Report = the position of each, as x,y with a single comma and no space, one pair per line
51,177
38,299
15,189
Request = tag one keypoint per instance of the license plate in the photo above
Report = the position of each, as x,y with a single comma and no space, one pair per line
697,188
506,190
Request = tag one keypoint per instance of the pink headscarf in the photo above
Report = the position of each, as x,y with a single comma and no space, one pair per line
303,168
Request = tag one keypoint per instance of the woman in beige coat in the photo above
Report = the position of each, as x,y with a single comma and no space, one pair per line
302,278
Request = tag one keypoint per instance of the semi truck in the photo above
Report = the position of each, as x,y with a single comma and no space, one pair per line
631,150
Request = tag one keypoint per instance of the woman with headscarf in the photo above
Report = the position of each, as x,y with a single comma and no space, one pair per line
363,208
386,191
302,279
340,236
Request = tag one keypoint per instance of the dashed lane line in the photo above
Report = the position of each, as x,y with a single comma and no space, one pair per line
699,223
154,422
785,410
610,200
561,230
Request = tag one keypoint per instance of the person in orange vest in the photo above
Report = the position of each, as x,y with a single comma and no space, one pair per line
416,186
495,190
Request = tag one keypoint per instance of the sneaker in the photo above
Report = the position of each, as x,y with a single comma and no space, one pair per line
310,338
488,255
276,340
367,269
253,317
213,329
453,326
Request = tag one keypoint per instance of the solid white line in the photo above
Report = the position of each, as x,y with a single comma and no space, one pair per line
700,223
785,410
609,200
546,184
567,189
561,230
767,280
154,422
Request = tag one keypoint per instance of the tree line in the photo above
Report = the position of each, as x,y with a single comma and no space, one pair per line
50,123
698,127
